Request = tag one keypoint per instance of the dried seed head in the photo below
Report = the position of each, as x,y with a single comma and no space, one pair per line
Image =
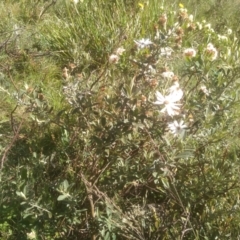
65,74
162,19
72,66
79,76
178,40
143,98
153,83
179,31
175,78
183,14
191,27
40,96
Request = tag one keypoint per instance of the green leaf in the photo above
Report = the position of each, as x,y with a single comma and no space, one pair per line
27,215
103,121
165,183
65,185
186,153
62,197
97,140
49,214
21,194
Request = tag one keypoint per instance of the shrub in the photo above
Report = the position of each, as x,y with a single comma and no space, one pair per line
143,143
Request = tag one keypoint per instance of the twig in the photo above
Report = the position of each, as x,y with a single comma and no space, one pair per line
154,144
10,145
101,172
99,77
10,76
4,90
5,43
46,8
89,189
12,120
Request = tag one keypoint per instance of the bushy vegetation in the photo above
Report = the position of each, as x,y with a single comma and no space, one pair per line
119,120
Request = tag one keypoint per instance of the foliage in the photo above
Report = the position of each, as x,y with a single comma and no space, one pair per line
136,138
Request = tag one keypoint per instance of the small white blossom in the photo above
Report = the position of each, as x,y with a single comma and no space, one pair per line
120,51
113,58
166,51
211,52
177,128
150,70
199,25
222,38
167,75
170,106
142,43
208,26
174,87
190,18
31,235
204,89
176,91
189,52
229,31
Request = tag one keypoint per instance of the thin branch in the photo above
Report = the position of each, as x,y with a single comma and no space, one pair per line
89,189
46,8
16,134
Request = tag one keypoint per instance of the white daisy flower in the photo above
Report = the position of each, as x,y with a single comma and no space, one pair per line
142,43
176,90
170,106
176,128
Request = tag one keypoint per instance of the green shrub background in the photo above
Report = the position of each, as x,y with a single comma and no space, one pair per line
84,151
